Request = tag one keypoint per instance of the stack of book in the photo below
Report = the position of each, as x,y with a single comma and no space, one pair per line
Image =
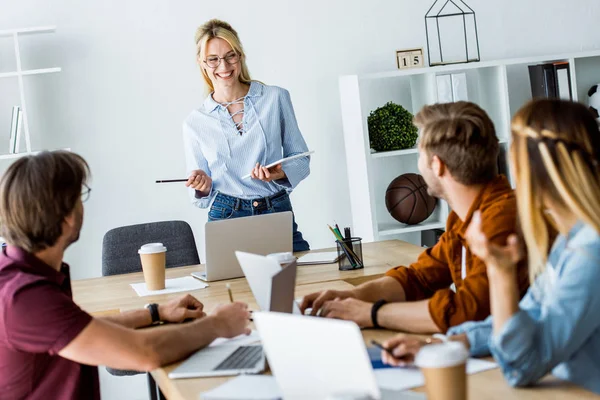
15,130
551,80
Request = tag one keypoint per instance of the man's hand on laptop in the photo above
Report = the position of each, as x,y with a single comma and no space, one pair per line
349,309
318,299
231,319
181,309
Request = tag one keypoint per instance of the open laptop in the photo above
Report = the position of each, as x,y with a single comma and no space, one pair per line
241,355
259,234
314,358
272,286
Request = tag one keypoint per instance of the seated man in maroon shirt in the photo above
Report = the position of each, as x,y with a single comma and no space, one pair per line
49,347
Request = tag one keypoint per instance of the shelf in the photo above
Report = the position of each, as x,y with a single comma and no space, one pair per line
414,150
19,155
384,154
386,229
477,65
29,72
38,29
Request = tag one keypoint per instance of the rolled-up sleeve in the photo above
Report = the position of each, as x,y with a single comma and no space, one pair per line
194,159
535,340
293,143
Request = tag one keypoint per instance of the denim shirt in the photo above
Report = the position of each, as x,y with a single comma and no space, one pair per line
557,328
214,145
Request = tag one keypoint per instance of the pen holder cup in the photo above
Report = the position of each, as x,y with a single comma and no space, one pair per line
350,254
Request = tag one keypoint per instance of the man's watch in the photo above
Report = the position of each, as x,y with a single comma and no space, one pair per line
153,308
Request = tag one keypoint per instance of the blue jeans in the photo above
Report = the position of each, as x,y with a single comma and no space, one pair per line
226,207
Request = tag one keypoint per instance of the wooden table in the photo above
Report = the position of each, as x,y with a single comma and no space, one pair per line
110,294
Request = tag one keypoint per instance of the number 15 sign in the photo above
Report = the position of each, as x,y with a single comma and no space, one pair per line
412,58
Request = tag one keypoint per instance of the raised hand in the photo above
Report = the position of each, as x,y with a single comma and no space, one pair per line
494,256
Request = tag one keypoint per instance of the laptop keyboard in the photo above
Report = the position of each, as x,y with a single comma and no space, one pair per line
244,357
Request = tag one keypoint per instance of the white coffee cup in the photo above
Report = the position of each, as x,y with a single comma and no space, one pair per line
445,368
153,257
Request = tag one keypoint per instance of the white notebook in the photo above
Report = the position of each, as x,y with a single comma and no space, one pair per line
329,257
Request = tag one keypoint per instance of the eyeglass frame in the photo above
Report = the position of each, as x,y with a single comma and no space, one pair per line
224,58
85,195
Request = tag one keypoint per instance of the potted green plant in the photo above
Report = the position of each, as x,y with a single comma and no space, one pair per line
391,128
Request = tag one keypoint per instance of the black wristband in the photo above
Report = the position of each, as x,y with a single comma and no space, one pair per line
153,308
376,306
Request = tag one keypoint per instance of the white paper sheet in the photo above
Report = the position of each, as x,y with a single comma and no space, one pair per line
411,377
240,340
185,284
328,257
246,387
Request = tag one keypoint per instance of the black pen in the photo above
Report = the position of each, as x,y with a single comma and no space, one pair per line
377,344
172,180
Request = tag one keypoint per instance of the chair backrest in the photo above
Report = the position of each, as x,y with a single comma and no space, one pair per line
120,246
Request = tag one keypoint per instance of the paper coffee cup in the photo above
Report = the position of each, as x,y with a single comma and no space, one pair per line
445,368
153,257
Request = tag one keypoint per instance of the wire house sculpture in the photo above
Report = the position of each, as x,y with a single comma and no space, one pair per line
451,29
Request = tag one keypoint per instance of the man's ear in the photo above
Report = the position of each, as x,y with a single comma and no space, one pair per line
70,220
437,166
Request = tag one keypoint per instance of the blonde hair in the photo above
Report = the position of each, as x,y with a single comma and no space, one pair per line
554,156
463,136
219,29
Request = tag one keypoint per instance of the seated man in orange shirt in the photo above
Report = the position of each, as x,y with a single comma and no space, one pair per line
458,160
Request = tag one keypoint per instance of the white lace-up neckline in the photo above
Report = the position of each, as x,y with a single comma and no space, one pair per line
238,125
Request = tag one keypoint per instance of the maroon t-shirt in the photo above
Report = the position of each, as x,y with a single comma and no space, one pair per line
38,319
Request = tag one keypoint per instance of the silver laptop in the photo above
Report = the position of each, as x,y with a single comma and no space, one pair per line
222,360
272,286
314,358
259,234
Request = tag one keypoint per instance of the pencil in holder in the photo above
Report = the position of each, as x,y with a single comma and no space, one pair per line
350,254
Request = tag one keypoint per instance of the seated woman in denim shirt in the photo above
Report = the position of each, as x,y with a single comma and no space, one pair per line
556,327
241,126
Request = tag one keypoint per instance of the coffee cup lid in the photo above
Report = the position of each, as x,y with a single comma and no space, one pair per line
441,355
282,258
152,248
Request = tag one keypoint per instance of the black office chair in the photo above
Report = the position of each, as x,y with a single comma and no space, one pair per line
120,256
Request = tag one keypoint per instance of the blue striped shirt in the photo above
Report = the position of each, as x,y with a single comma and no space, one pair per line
214,145
557,328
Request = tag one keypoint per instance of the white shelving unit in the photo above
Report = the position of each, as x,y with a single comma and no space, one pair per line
19,74
499,87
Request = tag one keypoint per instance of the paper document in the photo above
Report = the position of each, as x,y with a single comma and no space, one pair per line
186,284
246,387
318,258
284,160
402,378
241,340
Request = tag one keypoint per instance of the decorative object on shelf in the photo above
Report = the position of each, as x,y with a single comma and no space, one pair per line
407,200
15,129
391,128
452,87
594,101
451,30
412,58
551,80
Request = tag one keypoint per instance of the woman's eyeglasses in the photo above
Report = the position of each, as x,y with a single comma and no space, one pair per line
215,61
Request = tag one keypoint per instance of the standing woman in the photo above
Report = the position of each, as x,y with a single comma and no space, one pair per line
241,126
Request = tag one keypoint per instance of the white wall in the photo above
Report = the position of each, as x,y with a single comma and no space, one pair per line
129,79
